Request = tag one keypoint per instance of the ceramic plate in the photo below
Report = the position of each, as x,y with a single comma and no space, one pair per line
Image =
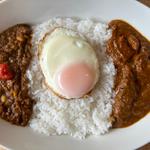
35,11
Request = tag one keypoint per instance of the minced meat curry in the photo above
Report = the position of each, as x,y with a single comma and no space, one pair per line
130,52
15,103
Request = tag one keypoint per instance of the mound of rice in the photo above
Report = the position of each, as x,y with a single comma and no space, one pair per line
79,117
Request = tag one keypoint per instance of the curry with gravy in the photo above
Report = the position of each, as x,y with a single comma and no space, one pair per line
130,52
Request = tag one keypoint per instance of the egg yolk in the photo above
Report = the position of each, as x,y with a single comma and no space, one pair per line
76,80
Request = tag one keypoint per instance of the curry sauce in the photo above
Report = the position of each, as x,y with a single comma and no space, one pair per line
130,52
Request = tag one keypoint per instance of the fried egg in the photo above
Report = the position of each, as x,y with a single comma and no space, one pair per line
69,63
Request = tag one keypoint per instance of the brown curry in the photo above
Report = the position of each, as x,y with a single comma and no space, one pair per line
15,103
130,52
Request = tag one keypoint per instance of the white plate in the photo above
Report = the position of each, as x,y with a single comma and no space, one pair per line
33,11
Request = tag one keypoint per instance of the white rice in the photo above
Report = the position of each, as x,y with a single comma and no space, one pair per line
79,117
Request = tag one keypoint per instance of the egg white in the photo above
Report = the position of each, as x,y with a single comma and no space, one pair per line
63,47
